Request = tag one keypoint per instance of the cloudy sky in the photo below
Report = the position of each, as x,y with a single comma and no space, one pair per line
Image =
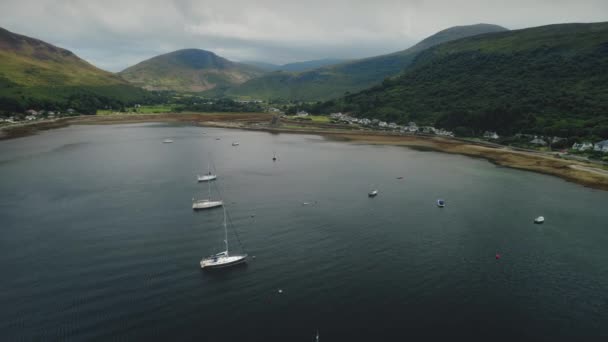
115,34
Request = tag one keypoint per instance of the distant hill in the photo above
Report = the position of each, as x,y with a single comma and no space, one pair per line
297,66
189,70
33,71
550,80
333,81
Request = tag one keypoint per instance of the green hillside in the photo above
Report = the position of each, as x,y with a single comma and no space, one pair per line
551,79
35,73
189,70
333,81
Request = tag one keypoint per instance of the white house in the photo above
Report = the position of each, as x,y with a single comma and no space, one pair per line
428,130
538,141
490,135
382,124
601,146
302,114
582,146
444,133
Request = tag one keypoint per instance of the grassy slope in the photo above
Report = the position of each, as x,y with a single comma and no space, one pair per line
30,68
548,77
334,81
189,70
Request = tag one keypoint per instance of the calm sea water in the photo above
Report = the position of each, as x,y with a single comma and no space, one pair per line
98,242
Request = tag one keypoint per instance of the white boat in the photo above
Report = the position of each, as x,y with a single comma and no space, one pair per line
208,176
167,141
223,259
207,203
539,220
372,193
235,144
440,203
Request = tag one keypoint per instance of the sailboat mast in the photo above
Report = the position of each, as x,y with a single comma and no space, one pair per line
225,230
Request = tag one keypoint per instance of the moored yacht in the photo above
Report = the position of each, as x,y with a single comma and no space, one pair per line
208,176
223,259
539,220
206,204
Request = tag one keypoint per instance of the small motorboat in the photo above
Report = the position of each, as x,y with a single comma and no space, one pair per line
235,144
167,141
539,220
372,193
440,203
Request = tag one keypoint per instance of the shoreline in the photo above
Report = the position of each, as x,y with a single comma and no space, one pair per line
586,174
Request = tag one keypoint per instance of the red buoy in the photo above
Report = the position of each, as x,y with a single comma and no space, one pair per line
497,256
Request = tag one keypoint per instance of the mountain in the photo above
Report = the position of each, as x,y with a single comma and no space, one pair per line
189,70
263,65
32,71
309,65
550,80
333,81
297,66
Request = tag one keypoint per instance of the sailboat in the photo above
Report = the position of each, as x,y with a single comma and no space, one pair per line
206,203
223,259
208,176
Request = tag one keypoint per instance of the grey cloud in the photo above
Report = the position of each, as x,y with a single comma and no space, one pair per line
115,34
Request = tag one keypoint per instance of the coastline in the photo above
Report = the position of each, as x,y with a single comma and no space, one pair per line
586,174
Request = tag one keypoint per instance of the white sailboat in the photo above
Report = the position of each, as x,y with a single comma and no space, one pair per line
207,203
208,176
223,259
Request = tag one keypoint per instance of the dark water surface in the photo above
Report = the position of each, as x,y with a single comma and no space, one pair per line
98,242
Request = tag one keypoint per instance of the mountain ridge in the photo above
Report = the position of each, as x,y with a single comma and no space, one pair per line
188,70
544,80
333,81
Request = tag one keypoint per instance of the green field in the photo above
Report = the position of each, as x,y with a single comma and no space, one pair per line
152,109
311,118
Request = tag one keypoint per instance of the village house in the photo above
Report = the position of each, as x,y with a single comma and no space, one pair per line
601,146
382,124
365,122
428,130
301,114
538,141
392,125
582,146
490,135
444,133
